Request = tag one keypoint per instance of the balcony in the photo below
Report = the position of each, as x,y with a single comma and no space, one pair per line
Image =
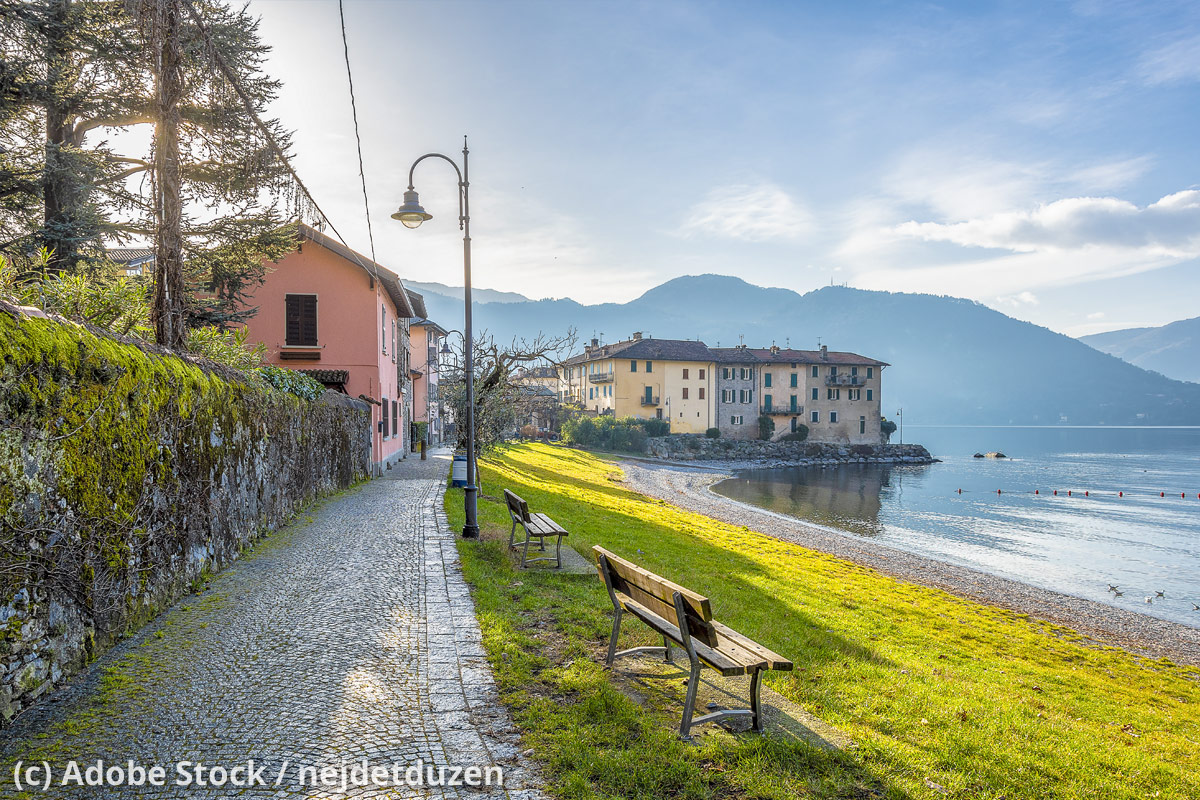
650,401
600,377
782,410
845,380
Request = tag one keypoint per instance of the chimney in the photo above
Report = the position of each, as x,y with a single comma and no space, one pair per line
637,336
774,349
824,352
595,343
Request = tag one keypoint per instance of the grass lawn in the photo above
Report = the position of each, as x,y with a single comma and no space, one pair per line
943,697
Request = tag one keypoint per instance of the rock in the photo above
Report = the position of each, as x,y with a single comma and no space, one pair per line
990,454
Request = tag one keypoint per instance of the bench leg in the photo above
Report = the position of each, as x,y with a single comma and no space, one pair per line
525,552
512,535
612,644
667,648
689,704
558,554
755,701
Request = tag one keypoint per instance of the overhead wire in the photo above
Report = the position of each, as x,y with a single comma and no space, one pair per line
362,175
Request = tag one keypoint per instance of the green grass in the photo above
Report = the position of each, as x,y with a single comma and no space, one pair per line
932,688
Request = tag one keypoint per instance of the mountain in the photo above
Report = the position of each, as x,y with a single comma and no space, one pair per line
477,295
953,361
1173,350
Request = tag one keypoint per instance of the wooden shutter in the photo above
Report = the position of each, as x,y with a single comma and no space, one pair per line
301,320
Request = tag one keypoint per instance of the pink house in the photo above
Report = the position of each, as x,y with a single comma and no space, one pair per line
339,317
425,341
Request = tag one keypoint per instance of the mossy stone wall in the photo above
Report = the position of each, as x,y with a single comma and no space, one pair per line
126,473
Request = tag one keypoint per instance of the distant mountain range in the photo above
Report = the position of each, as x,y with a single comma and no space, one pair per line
953,361
477,295
1173,350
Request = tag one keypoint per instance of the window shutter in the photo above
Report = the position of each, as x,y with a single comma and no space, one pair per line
300,320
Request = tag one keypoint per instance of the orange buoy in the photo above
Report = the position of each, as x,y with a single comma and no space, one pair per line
997,491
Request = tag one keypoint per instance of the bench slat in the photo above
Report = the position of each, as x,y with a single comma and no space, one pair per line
721,662
545,524
729,635
656,585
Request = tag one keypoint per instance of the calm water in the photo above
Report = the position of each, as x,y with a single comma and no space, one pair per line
1076,545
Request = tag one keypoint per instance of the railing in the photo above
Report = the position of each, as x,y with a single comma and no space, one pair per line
782,410
600,377
650,401
845,380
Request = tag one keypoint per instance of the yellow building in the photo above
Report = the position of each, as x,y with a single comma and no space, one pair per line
670,379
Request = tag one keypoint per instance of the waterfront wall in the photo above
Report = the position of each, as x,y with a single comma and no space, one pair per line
126,475
696,448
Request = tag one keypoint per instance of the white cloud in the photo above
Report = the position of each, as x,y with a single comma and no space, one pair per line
1096,315
1177,62
1170,227
1019,299
753,213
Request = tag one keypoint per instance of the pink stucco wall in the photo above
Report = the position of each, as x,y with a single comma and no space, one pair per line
423,409
350,326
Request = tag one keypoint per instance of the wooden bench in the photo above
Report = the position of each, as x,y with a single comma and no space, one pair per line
536,526
684,617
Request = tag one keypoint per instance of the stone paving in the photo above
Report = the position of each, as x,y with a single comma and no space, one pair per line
349,637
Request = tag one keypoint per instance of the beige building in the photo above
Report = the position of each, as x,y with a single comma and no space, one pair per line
669,379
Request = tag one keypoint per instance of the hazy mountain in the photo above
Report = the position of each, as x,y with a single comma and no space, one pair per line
477,295
1173,350
953,361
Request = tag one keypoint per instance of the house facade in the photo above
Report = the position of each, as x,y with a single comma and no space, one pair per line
425,343
335,315
836,395
669,379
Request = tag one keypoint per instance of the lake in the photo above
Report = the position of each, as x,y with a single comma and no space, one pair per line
1078,545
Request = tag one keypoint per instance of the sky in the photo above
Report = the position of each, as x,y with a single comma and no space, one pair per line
1040,158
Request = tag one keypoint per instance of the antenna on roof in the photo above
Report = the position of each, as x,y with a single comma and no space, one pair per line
788,343
741,338
818,342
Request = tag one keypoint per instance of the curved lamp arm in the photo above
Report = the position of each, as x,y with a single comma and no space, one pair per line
462,184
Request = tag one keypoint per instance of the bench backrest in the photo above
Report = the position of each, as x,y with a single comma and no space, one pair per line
517,507
658,594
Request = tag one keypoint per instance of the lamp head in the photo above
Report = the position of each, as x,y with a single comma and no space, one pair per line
445,349
411,213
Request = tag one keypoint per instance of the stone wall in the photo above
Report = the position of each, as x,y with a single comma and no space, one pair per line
126,474
760,453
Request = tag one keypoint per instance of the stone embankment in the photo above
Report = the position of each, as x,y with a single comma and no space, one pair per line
127,474
733,452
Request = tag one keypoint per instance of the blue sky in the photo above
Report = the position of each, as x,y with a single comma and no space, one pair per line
1037,157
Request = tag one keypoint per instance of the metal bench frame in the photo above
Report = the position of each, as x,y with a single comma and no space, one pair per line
696,663
521,516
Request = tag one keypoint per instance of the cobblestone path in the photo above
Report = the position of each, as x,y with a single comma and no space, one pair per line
347,637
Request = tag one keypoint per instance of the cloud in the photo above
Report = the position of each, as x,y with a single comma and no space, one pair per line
752,213
1170,227
1096,315
1178,62
1016,300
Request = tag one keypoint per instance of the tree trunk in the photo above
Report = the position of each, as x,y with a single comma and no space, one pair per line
167,312
57,174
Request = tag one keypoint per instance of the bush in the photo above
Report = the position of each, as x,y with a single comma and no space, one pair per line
285,380
226,347
605,432
887,428
656,427
713,433
798,435
766,428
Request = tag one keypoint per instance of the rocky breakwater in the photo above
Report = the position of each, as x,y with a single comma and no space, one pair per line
732,452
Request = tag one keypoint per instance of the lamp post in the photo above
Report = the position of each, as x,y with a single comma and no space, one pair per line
900,414
412,215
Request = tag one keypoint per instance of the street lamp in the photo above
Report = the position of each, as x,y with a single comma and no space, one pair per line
900,414
412,215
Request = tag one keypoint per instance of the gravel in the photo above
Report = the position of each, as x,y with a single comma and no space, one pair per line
688,487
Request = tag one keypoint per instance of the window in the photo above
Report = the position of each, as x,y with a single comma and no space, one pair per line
725,373
735,420
833,370
685,395
649,366
383,413
833,416
726,396
870,394
854,370
862,424
767,379
767,401
793,424
393,341
814,393
685,373
633,366
701,374
741,395
649,395
383,332
793,406
795,379
870,372
300,326
745,373
591,393
814,416
701,392
396,417
814,371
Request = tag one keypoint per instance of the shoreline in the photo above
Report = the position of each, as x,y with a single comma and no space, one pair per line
688,486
